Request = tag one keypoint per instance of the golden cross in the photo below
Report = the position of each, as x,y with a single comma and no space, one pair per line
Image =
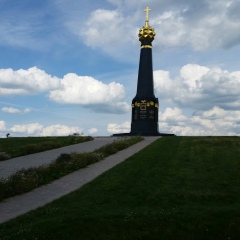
147,11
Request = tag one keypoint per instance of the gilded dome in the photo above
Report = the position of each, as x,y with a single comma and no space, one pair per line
146,33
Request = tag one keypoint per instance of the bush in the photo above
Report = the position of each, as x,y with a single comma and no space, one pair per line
26,180
4,156
117,145
64,157
80,139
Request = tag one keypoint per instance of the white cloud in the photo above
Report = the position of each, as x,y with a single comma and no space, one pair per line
71,89
214,113
14,110
93,130
213,122
98,27
109,30
59,130
36,129
32,129
199,87
21,82
27,110
2,125
113,128
199,25
91,93
10,110
172,115
2,129
163,84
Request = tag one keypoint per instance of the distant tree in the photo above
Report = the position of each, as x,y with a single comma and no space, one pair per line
7,135
76,134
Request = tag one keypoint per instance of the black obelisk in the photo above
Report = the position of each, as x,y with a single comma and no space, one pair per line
145,104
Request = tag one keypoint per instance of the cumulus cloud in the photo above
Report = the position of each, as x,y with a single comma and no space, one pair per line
59,130
199,25
36,129
98,27
14,110
212,122
109,30
206,100
22,82
93,130
200,87
2,125
71,89
10,110
113,128
31,129
172,115
90,93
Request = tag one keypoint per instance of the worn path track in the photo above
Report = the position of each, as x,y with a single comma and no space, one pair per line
19,205
10,166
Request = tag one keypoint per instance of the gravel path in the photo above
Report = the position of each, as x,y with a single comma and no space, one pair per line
19,205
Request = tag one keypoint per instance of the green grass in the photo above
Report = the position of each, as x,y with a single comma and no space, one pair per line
26,180
20,146
177,188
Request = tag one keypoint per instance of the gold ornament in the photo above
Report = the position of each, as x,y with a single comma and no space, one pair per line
146,32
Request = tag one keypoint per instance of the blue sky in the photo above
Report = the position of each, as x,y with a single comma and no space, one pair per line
71,66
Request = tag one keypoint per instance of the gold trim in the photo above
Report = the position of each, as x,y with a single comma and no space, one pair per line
143,105
146,46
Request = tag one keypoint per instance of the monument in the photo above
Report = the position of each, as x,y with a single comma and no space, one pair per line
145,104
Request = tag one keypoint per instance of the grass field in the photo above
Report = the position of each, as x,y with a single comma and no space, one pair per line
25,180
176,188
19,146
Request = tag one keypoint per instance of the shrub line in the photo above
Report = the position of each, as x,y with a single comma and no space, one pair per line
25,180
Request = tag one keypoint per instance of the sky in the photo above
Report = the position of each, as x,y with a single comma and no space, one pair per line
72,66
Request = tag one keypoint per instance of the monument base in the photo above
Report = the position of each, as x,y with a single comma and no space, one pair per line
144,135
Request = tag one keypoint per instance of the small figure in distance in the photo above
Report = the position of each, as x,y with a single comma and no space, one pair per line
7,135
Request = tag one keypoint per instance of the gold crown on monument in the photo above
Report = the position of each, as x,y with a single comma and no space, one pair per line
146,32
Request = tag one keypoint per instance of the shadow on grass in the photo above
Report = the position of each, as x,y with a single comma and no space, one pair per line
176,188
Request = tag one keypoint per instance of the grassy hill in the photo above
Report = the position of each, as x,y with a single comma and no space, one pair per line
20,146
176,188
